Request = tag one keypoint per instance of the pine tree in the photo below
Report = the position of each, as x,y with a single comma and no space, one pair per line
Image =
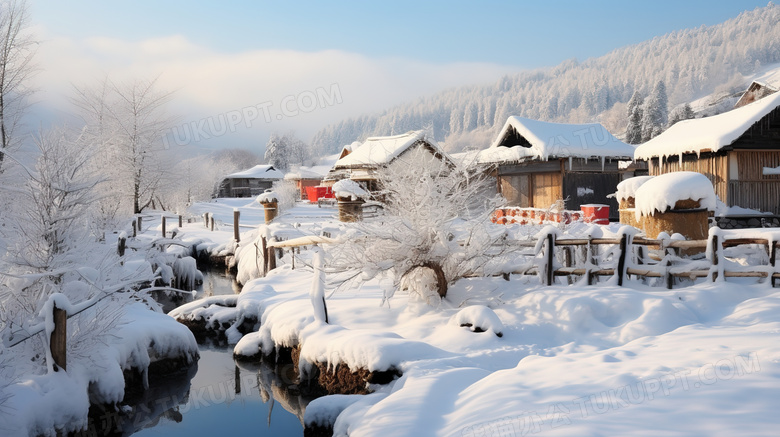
654,112
276,153
680,113
634,115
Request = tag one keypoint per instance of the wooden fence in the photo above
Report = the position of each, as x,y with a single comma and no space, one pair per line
632,257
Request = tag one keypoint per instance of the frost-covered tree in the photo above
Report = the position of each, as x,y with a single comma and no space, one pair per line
50,251
435,228
655,112
16,53
128,121
634,114
680,113
286,150
276,153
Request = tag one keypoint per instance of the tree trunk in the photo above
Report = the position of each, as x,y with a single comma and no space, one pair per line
441,280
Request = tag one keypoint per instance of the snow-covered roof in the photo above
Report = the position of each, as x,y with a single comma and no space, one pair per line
523,138
709,133
257,172
376,151
313,172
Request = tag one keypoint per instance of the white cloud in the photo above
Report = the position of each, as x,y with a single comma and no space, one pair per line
209,83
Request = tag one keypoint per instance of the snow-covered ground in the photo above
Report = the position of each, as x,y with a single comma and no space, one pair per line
572,360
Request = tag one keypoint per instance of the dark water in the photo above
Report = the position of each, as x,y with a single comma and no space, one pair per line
224,398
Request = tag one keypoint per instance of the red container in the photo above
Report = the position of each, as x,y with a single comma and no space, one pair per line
318,192
595,213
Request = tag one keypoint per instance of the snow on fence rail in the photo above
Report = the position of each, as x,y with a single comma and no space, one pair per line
626,261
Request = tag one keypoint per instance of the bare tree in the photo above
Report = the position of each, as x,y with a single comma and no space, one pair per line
128,121
16,53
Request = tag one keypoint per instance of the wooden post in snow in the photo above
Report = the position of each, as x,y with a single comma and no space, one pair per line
120,245
714,256
271,256
58,340
135,231
211,218
236,233
140,222
181,223
264,251
622,259
550,258
162,219
772,259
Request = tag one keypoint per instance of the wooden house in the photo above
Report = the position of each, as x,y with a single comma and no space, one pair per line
251,182
363,162
539,163
738,150
311,176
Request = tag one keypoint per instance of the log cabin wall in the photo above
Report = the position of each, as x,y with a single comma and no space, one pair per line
751,188
714,166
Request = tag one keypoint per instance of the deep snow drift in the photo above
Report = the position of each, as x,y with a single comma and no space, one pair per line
700,359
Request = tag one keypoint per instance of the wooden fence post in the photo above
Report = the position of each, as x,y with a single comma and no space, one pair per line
211,217
236,233
271,256
714,256
163,225
264,251
135,231
550,258
120,246
622,259
589,260
58,340
181,223
772,259
669,277
140,222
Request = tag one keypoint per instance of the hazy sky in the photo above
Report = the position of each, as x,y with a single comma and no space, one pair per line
299,65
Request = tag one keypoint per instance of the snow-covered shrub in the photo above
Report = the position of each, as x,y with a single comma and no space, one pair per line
436,219
286,192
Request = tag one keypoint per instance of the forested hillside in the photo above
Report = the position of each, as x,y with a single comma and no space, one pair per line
692,63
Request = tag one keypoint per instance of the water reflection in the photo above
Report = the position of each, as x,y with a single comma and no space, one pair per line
143,408
225,398
216,281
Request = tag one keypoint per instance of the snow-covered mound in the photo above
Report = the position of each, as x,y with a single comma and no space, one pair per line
478,318
349,189
628,187
663,192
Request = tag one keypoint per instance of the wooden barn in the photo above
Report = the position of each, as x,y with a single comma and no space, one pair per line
363,162
738,150
249,182
538,163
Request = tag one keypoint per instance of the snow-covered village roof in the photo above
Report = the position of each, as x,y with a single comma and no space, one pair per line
315,171
522,138
376,151
708,134
257,172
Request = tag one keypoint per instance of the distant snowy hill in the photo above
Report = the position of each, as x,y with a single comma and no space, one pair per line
706,65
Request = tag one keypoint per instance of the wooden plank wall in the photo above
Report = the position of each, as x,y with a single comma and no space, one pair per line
753,189
715,167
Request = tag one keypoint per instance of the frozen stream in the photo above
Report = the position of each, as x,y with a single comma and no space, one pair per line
223,398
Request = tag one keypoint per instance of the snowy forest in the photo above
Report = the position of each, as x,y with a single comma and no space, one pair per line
692,63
